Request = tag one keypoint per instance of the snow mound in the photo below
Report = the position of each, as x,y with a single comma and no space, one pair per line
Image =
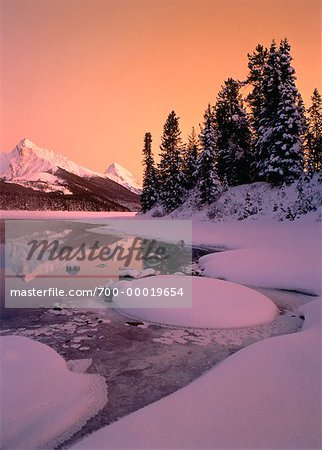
281,255
215,303
266,267
42,402
120,175
266,396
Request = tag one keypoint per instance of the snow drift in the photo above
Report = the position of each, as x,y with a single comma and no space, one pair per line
266,396
42,402
215,303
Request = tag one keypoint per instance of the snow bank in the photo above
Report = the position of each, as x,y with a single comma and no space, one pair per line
267,253
283,255
42,402
215,303
266,396
256,200
264,267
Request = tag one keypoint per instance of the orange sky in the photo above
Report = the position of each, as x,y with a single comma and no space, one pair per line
89,78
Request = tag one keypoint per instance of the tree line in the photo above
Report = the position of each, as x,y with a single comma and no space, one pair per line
267,135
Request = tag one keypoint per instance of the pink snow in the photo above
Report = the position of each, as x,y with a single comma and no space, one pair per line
213,303
282,255
120,175
42,402
263,252
266,396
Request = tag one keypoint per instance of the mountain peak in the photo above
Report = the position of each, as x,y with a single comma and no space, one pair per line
114,164
116,168
28,149
119,174
27,162
25,142
27,159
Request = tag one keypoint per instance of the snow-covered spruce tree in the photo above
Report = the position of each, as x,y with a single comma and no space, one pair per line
233,135
252,205
255,99
149,195
189,161
304,127
279,145
302,111
169,169
314,133
267,119
207,180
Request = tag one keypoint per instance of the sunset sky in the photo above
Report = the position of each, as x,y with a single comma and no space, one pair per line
89,78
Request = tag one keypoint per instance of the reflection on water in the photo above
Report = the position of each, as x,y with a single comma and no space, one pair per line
69,255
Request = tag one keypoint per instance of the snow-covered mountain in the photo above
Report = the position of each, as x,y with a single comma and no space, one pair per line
27,160
45,171
122,176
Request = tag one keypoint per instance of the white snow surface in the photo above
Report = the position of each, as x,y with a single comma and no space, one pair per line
266,396
42,402
266,253
215,303
42,181
120,175
256,201
266,267
39,176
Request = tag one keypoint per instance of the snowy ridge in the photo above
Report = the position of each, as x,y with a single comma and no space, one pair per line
122,176
255,201
27,159
40,169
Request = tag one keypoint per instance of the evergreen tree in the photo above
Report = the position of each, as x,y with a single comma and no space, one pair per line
170,177
314,133
255,99
149,189
279,144
189,161
233,135
302,111
307,162
267,118
207,180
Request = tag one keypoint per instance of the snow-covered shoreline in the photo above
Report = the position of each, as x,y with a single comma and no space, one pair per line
263,252
264,396
42,402
259,399
161,343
